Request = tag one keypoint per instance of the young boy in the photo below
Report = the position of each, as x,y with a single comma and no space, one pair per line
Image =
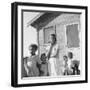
73,65
33,62
70,58
66,65
44,66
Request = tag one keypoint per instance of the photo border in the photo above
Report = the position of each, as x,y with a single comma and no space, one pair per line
14,43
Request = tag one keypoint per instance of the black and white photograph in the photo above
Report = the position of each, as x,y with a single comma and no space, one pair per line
51,44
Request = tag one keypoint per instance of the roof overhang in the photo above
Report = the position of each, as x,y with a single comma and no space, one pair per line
43,19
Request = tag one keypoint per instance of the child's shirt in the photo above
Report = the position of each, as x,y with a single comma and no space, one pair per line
67,70
32,63
44,69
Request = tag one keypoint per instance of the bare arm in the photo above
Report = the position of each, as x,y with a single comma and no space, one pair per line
49,53
26,67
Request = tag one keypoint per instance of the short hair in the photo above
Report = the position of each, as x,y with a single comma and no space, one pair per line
43,54
34,46
65,56
54,35
70,55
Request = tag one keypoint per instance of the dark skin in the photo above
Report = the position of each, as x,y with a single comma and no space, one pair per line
53,40
32,51
76,71
43,58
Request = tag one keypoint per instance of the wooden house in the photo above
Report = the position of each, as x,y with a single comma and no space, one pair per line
66,26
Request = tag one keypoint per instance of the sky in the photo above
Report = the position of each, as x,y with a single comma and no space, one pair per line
29,33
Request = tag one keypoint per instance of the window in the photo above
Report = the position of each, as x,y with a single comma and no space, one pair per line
72,33
47,32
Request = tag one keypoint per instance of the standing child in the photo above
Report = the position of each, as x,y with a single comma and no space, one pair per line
33,62
70,60
44,66
66,69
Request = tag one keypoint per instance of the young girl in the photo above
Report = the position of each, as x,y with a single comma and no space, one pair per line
33,62
44,66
